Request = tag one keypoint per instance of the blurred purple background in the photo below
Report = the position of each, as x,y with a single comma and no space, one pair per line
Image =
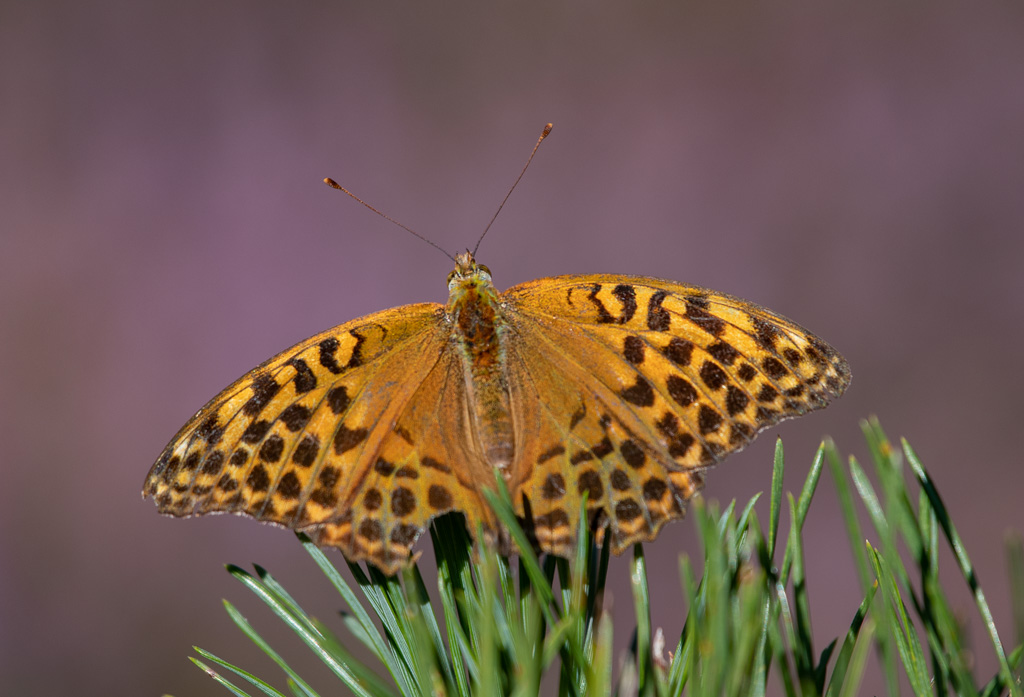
858,168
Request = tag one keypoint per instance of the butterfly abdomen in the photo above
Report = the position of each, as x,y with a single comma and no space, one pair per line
473,308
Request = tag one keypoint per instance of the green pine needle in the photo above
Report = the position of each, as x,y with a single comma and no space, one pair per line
497,627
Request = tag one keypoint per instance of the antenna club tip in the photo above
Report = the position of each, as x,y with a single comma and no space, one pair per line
547,130
331,183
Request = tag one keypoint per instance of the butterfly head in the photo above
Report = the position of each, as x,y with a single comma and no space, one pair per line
467,270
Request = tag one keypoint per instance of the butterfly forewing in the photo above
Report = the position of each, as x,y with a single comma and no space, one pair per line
583,442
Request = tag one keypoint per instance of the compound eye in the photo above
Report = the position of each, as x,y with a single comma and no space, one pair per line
451,275
484,269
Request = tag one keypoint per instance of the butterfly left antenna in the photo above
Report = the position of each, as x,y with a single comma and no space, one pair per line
335,185
544,134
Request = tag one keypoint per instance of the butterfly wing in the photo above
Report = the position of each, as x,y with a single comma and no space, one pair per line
643,384
623,389
342,436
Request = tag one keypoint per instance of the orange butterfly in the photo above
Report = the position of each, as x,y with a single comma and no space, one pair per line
621,388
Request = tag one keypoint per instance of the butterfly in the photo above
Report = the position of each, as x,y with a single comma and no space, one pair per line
612,392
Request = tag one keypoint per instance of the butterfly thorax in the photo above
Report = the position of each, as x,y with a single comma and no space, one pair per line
474,311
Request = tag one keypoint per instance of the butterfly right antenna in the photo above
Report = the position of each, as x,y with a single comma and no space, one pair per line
544,134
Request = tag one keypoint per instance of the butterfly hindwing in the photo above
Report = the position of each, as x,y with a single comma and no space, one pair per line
583,442
417,464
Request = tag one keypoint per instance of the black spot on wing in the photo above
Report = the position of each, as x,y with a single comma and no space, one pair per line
306,451
632,454
708,419
640,393
272,448
192,461
346,439
404,534
578,416
620,480
289,487
210,430
295,417
697,313
338,399
554,487
658,318
723,353
627,509
427,461
736,400
680,389
699,301
329,477
765,333
625,294
263,388
258,479
304,379
213,463
712,375
328,347
603,448
371,529
679,351
633,349
590,484
255,431
553,451
403,502
439,497
773,367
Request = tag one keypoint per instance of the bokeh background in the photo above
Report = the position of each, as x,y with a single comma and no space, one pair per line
857,167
